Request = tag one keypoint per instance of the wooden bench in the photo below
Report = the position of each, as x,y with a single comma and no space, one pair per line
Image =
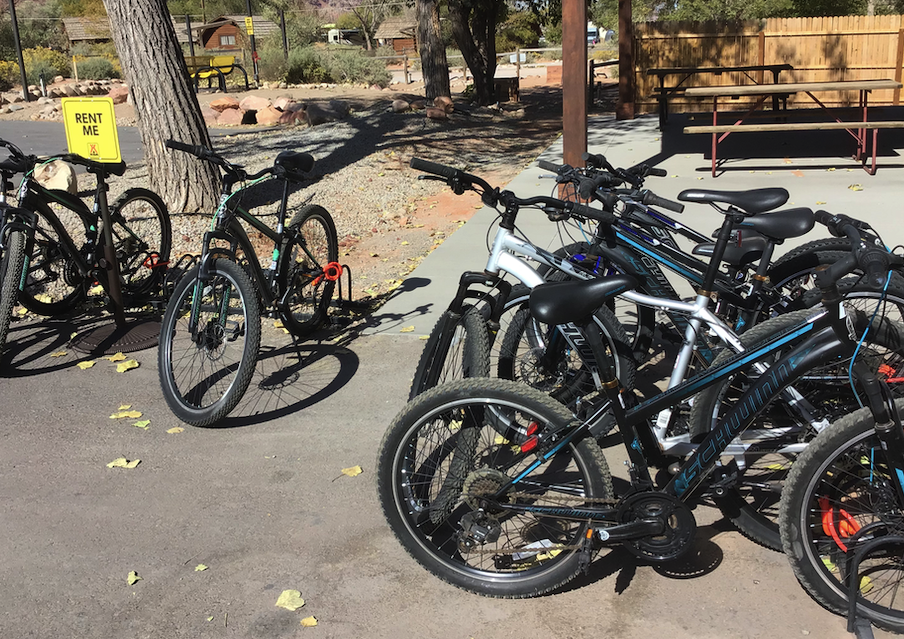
206,67
862,127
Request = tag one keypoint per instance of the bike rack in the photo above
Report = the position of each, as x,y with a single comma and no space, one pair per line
862,628
175,271
343,301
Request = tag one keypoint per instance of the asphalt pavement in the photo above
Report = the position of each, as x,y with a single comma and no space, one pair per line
262,503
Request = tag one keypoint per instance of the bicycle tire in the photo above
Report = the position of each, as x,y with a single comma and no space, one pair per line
11,265
438,456
308,293
638,321
458,347
752,504
523,347
839,485
141,230
205,397
52,284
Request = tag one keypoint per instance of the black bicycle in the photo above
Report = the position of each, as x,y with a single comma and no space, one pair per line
497,489
211,329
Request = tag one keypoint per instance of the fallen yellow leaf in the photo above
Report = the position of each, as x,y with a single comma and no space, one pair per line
58,354
133,578
23,312
309,622
354,471
44,298
142,424
290,600
126,414
126,366
85,365
122,462
96,290
277,324
115,358
125,406
424,337
407,329
855,187
405,243
175,430
200,568
820,202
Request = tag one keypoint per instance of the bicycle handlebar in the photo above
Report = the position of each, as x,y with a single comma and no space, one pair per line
651,199
874,261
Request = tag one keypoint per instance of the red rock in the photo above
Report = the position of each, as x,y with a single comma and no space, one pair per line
399,106
119,94
254,103
444,102
209,115
292,117
282,102
419,105
268,116
435,113
230,117
226,102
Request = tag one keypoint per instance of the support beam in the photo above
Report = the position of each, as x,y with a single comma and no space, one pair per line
624,109
574,80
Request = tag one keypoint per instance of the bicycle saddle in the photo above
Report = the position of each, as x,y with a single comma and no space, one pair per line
780,225
752,201
563,302
294,161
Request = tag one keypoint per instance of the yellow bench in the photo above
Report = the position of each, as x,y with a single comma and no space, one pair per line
206,67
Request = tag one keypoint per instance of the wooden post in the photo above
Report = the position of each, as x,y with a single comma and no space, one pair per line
899,62
405,69
574,80
518,64
761,59
624,110
75,68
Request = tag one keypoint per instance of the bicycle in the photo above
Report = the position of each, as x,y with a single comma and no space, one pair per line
497,489
211,329
63,256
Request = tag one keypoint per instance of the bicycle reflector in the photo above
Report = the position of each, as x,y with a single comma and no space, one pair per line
532,439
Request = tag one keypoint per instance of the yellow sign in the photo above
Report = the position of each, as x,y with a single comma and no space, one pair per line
91,128
249,25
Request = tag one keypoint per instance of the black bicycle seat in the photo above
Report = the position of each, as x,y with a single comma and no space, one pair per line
563,302
752,201
294,161
780,225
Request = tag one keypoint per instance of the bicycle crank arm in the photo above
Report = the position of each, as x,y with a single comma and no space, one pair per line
637,529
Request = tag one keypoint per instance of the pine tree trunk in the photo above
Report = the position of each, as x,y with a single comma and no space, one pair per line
434,66
474,29
165,104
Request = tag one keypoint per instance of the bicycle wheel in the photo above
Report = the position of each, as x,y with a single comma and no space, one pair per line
443,454
204,371
143,239
752,503
10,275
539,356
638,322
53,285
301,269
458,347
841,486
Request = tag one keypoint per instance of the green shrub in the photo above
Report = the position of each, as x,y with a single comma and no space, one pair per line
353,67
9,75
96,69
304,66
272,65
51,63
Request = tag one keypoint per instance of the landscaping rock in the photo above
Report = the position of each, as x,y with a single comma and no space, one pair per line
419,105
209,115
69,90
57,175
292,117
283,101
268,116
320,113
222,104
436,113
254,103
57,92
58,79
230,117
444,102
16,107
119,94
400,106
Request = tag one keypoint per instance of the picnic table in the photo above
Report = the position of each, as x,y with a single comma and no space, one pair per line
662,92
857,128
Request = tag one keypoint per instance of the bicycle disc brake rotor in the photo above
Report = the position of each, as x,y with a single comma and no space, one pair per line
538,375
678,534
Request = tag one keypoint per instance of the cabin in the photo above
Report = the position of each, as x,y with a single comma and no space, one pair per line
227,33
97,30
399,32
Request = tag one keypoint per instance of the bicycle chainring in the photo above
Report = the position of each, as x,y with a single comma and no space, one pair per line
679,525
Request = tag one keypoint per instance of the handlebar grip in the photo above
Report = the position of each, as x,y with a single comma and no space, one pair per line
651,199
657,172
436,169
552,167
875,265
594,160
197,150
606,217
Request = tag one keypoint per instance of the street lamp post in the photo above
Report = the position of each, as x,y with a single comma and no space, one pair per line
12,16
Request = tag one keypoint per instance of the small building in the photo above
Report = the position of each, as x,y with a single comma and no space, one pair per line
227,33
97,30
399,32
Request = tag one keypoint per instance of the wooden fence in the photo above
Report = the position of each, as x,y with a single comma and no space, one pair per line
819,49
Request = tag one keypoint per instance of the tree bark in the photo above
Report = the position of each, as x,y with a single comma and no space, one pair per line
474,28
434,66
165,104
